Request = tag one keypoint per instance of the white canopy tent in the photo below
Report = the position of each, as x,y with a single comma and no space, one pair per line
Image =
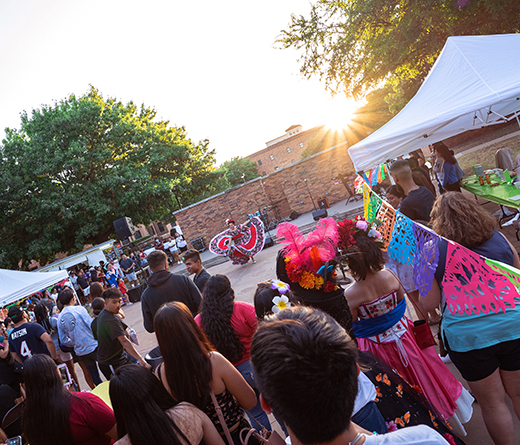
475,82
15,285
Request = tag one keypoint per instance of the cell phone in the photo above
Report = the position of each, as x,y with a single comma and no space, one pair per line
65,375
14,441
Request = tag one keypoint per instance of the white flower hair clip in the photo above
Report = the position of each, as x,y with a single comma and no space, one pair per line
280,303
280,286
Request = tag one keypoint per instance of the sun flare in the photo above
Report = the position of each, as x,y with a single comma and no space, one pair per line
339,111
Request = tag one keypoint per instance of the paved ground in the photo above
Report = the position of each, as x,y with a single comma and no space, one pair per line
244,280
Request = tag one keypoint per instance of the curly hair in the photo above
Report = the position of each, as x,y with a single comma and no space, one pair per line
461,220
216,310
364,257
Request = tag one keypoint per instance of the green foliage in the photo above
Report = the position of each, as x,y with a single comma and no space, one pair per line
235,168
78,165
355,46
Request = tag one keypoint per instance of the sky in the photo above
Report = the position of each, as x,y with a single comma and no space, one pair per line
209,66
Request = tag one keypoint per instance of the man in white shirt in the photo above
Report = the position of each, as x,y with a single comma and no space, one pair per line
305,368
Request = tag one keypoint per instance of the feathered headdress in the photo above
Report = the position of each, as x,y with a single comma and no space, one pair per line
305,258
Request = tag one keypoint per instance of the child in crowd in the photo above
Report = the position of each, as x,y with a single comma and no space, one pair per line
124,291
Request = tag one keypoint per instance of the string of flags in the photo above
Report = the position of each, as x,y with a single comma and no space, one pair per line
471,283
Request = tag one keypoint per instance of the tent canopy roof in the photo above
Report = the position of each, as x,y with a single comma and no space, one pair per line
475,82
15,285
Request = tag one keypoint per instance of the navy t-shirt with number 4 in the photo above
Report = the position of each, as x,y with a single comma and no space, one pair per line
25,341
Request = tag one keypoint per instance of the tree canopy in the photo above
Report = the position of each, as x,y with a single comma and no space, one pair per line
236,167
355,46
77,165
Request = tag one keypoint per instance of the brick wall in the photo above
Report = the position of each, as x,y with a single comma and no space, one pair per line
284,191
282,157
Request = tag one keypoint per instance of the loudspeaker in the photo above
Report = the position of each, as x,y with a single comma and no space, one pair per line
321,213
268,241
294,214
124,228
134,293
323,203
198,244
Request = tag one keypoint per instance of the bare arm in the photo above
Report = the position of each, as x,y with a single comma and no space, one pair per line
129,347
351,304
432,298
113,432
46,338
234,381
4,352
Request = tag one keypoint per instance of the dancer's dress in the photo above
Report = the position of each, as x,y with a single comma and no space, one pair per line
423,369
240,244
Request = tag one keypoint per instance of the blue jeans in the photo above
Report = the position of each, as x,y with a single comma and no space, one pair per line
245,370
371,419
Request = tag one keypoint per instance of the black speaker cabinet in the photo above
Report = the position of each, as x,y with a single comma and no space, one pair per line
124,227
198,243
294,214
321,213
323,203
134,293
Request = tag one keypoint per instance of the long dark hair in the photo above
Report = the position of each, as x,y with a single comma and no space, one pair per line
445,152
364,257
216,310
185,351
41,312
96,290
140,401
47,404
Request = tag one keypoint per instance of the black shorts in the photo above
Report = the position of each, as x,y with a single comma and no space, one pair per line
481,363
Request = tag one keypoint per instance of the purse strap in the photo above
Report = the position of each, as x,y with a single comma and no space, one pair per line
221,419
407,293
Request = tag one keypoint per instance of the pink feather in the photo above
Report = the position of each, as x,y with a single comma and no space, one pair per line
290,235
325,237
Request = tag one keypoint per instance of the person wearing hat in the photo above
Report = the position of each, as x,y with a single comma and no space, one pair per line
28,339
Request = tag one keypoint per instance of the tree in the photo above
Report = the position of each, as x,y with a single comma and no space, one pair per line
236,167
78,165
355,46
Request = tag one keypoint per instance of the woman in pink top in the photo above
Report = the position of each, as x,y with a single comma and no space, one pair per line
230,326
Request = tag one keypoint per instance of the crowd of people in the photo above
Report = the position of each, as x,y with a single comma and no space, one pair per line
332,365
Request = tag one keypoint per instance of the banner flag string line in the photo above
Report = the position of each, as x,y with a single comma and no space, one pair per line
471,284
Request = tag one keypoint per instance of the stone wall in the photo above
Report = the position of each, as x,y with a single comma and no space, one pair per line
282,192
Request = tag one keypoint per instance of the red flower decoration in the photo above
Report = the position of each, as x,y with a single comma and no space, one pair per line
294,272
329,287
346,232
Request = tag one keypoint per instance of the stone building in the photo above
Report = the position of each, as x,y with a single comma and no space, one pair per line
296,187
283,151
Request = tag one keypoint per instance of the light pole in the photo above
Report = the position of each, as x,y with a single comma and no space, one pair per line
312,199
243,177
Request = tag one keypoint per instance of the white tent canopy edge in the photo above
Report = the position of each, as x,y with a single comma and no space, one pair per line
15,284
474,83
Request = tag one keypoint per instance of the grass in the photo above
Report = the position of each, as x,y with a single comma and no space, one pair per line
486,155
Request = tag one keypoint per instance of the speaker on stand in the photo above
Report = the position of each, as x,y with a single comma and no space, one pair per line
124,230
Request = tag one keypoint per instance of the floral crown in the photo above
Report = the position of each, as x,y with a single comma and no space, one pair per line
307,258
349,227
